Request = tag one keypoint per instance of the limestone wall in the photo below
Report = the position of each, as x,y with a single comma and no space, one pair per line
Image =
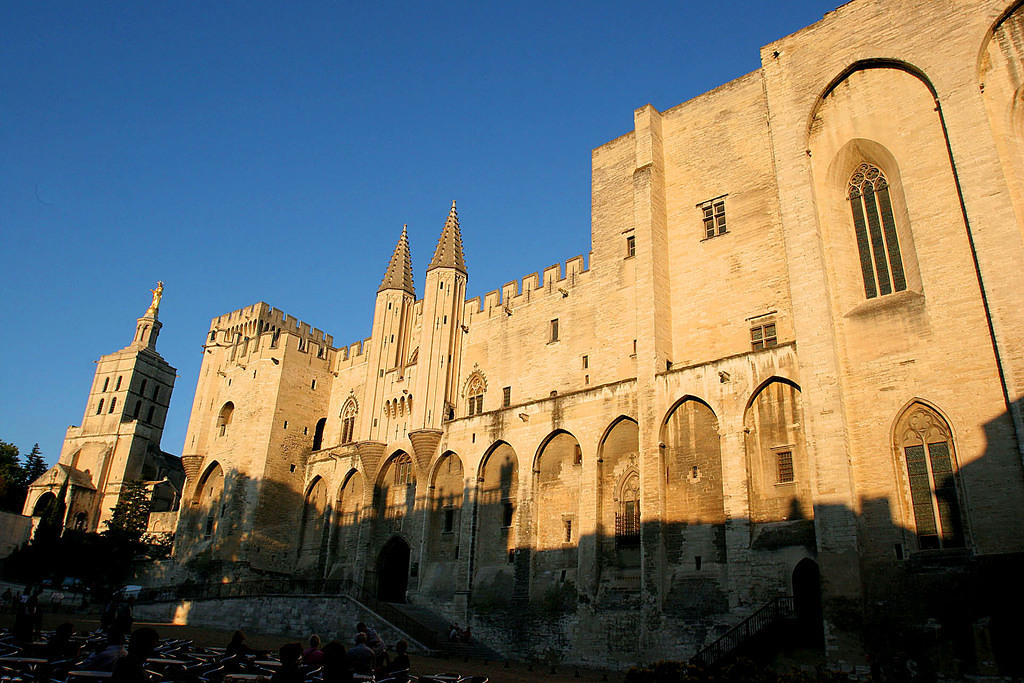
298,616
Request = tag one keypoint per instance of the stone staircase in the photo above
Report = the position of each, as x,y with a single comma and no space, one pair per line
438,627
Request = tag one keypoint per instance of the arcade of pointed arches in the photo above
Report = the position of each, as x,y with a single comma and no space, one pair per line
923,450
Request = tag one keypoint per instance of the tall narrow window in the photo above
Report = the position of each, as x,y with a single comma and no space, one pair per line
630,246
927,446
142,389
113,404
138,407
627,517
553,331
117,386
224,418
106,383
318,435
149,414
506,397
348,421
403,470
99,408
784,467
877,244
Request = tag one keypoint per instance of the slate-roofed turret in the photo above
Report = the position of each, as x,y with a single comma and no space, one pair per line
449,247
399,272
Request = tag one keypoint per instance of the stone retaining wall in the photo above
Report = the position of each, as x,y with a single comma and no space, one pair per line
330,617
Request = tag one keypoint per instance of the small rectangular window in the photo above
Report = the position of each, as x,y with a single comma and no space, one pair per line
568,530
784,467
506,397
713,217
763,336
630,246
449,520
312,385
553,336
586,362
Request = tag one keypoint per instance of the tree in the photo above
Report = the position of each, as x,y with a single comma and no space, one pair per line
131,514
34,466
12,479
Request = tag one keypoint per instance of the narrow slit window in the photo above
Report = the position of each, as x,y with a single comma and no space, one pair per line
630,246
553,331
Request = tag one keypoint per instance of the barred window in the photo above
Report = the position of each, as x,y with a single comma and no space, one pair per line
784,467
877,243
506,397
627,517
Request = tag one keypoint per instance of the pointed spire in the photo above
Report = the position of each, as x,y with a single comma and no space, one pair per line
449,247
399,272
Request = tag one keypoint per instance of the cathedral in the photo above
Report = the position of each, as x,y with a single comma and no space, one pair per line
790,368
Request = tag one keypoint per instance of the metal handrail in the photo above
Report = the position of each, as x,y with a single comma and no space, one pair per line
773,611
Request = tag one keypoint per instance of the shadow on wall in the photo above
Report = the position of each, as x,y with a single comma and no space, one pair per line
935,586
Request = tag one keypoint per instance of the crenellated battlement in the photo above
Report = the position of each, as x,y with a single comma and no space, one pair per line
259,318
518,293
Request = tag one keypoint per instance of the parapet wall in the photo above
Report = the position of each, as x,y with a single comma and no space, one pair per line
514,296
261,317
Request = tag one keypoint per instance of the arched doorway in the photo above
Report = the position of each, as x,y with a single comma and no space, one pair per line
807,603
393,570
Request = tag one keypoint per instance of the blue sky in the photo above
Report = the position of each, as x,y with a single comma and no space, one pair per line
247,151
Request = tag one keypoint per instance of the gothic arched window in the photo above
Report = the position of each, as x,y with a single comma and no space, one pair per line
475,394
348,421
926,444
877,243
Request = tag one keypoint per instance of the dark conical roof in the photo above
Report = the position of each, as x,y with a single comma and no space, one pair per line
399,272
449,247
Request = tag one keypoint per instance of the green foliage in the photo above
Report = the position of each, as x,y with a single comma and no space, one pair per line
34,466
131,514
103,562
13,486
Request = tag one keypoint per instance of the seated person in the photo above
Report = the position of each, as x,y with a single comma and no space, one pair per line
361,657
400,663
132,667
105,659
313,655
60,646
336,663
290,671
